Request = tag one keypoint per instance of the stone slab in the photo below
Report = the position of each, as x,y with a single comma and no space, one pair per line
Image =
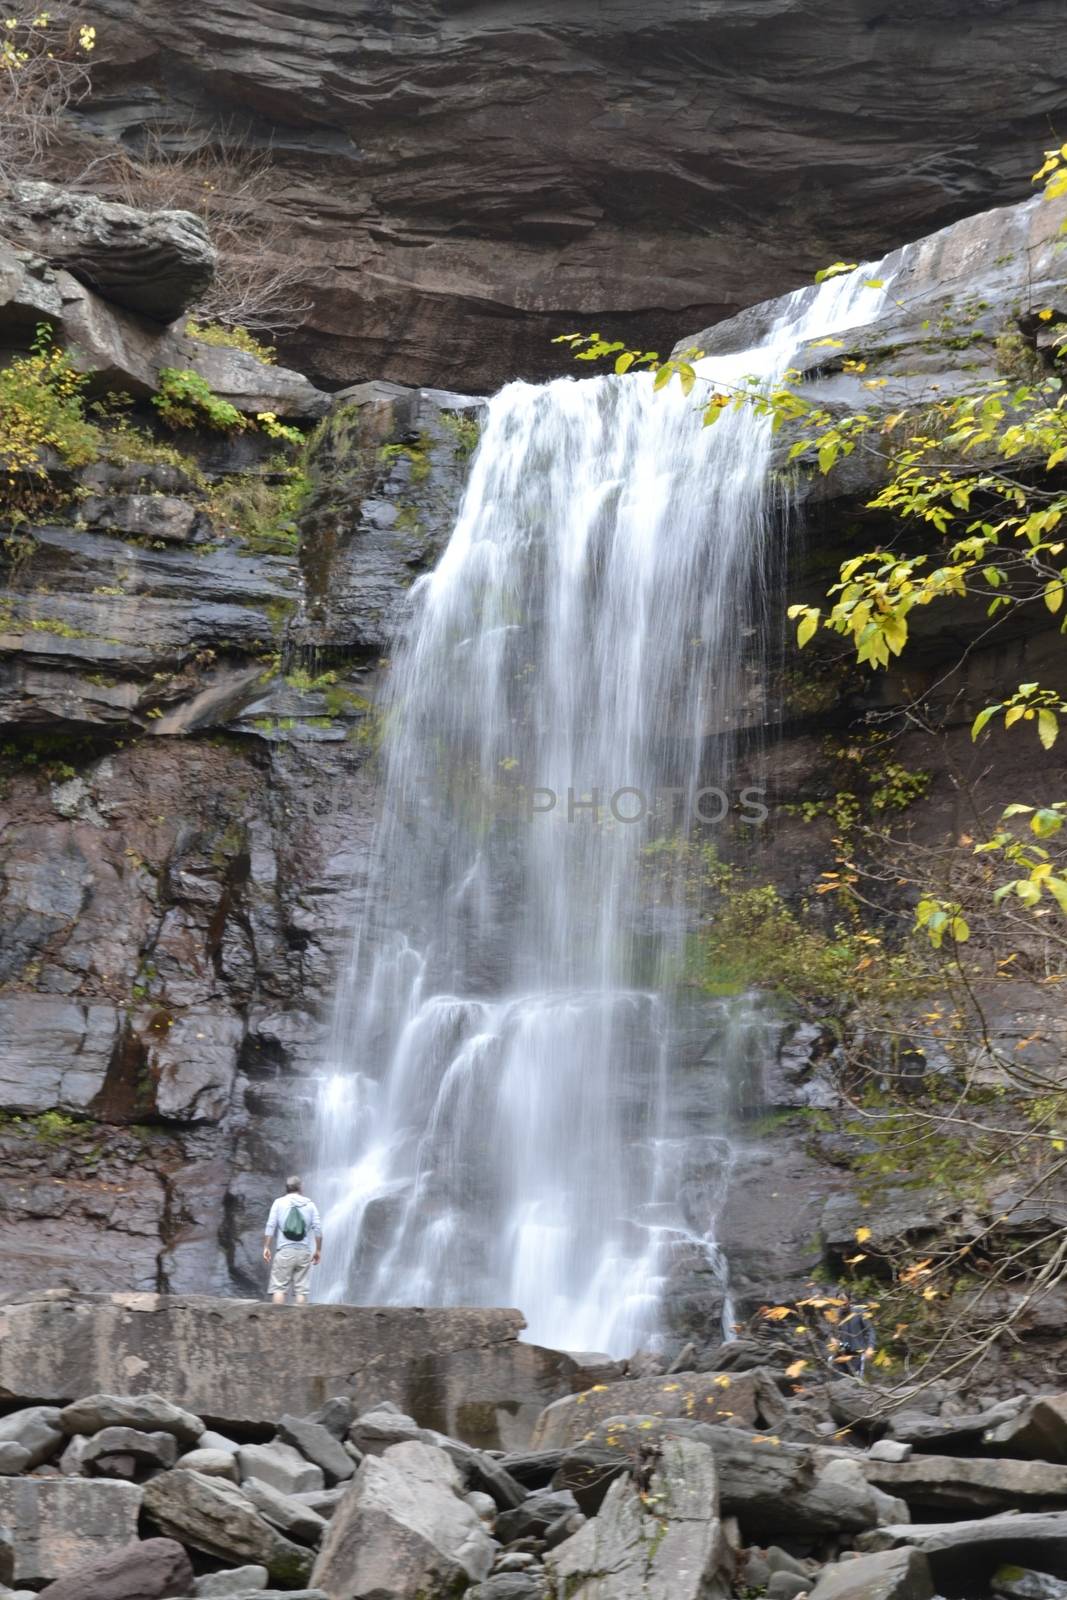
463,1372
60,1524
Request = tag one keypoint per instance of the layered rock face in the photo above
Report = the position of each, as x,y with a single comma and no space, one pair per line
187,790
466,182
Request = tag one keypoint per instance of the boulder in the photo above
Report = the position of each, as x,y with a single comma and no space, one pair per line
147,1413
971,1550
235,1581
147,1569
465,1367
61,1524
336,1415
668,1546
1039,1431
374,1431
14,1458
279,1465
250,385
889,1450
536,1514
324,1501
771,1487
317,1445
508,1586
533,1469
893,1575
147,1449
212,1515
1015,1583
403,1528
959,1486
37,1429
157,263
213,1463
732,1398
949,1433
282,1511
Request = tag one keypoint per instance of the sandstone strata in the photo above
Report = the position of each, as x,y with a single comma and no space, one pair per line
464,184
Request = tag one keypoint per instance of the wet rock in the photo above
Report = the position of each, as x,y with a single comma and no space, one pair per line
403,1526
371,525
148,1569
60,1524
317,1445
293,1517
142,516
212,1515
629,1550
956,1486
148,1413
146,1449
280,1466
1039,1431
37,1429
54,1053
894,1575
153,262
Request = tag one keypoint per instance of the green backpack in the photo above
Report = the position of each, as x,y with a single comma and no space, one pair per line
295,1227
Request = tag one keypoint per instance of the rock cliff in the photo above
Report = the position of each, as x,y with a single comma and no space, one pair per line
465,180
188,785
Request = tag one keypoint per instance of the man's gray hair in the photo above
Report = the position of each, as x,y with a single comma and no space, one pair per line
293,1185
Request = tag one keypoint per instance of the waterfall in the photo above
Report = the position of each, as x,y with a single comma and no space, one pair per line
503,1117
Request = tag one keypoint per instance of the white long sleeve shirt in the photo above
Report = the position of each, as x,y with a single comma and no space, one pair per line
280,1210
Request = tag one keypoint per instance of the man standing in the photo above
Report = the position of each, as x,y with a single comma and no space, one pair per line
294,1223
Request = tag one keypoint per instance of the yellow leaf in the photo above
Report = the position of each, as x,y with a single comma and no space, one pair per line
862,1235
795,1369
852,1261
1046,315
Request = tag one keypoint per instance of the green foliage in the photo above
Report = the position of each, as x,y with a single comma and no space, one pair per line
262,508
757,940
42,410
186,400
236,338
465,429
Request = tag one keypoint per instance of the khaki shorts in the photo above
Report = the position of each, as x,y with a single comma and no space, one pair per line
290,1268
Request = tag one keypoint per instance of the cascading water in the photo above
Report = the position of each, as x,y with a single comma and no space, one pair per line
502,1119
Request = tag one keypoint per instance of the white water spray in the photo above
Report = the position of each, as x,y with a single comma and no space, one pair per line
505,1118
